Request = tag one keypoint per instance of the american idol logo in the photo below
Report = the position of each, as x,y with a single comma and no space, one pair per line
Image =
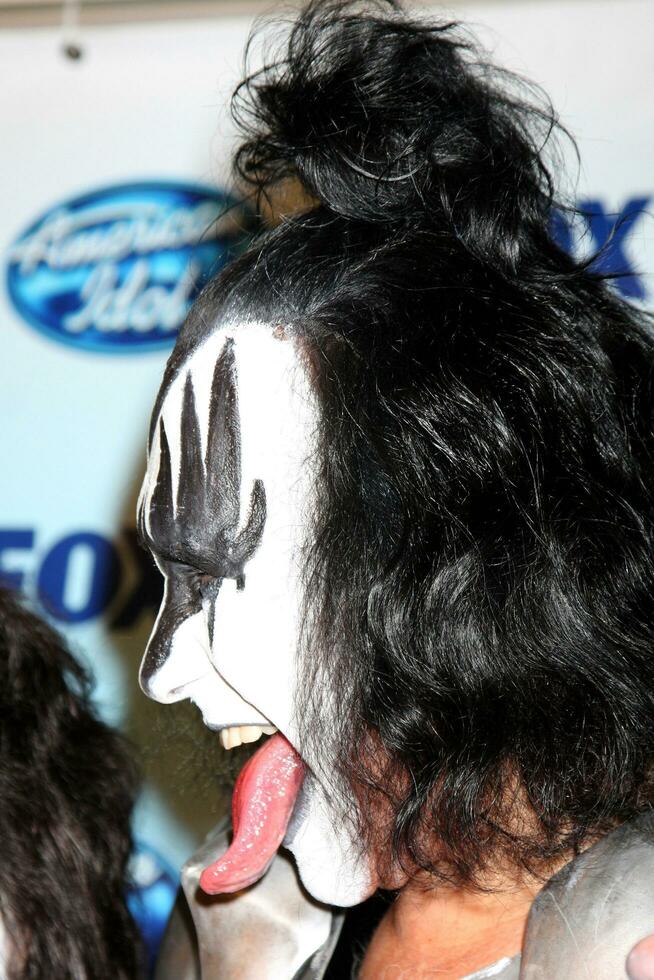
116,270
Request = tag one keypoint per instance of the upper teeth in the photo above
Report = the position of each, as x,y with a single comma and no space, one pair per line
237,734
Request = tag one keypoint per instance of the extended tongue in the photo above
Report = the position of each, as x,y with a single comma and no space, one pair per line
262,803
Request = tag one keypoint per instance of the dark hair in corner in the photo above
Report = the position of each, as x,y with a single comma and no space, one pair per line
480,590
67,787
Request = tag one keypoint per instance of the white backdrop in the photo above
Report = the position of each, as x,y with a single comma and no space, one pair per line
110,165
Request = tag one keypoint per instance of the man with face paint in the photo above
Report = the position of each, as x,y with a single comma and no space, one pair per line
400,485
224,510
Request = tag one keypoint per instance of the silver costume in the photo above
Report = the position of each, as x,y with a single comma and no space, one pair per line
581,926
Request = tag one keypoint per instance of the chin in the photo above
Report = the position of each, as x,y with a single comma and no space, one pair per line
329,864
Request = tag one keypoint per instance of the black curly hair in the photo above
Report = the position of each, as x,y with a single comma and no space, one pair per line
480,583
67,787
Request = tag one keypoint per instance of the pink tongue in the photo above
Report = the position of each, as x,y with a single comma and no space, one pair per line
262,803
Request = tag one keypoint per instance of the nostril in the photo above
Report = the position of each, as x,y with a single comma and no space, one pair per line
175,658
153,683
158,684
158,691
145,683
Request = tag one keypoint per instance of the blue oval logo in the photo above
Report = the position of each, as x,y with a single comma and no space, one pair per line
116,270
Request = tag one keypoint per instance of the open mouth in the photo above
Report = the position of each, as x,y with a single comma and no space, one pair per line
263,801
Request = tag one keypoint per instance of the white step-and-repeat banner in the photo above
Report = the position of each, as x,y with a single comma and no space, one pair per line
114,167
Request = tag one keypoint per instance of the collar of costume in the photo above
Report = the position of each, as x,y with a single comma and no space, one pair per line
583,923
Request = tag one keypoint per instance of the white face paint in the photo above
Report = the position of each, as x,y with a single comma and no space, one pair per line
233,650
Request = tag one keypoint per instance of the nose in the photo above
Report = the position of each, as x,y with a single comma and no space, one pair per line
156,682
175,660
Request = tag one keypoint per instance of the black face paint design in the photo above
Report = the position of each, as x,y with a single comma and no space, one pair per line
196,537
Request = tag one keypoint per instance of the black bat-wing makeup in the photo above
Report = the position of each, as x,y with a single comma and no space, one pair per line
194,534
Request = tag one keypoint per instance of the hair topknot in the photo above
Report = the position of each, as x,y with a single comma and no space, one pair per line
389,119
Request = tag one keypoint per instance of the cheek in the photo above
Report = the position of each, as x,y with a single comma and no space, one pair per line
254,648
